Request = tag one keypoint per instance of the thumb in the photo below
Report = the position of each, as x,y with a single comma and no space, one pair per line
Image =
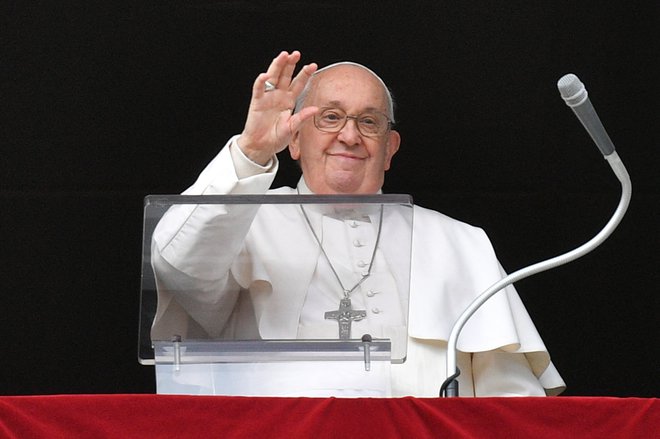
298,118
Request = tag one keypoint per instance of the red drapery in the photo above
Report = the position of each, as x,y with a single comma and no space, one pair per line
155,416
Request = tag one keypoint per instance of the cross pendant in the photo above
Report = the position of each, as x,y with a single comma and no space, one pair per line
345,315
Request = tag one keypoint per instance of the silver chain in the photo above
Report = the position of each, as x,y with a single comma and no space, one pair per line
347,292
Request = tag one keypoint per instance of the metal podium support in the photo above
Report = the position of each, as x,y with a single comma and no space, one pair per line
315,368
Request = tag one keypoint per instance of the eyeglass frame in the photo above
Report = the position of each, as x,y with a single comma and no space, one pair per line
355,118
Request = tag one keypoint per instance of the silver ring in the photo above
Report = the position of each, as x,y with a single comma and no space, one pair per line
269,86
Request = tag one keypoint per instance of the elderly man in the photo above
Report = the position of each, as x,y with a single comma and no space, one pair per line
341,134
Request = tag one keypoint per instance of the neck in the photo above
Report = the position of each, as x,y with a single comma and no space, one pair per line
304,189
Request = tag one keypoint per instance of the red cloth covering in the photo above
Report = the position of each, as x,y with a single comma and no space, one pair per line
156,416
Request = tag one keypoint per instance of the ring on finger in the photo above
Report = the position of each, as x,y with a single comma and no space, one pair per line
268,86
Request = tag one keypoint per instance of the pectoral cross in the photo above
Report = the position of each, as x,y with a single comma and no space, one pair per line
345,315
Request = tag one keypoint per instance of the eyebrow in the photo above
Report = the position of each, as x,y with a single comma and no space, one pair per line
338,104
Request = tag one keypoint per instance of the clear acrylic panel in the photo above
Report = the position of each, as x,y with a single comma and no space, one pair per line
258,270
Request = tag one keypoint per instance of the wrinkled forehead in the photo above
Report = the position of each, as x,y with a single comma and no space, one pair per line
326,83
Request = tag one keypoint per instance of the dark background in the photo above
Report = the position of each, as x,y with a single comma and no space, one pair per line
105,103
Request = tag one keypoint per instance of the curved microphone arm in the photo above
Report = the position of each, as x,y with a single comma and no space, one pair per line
450,386
575,95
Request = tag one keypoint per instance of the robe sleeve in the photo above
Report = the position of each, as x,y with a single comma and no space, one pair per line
194,246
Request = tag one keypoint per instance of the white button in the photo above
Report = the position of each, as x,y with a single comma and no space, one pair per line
365,273
353,224
372,293
357,243
362,264
376,310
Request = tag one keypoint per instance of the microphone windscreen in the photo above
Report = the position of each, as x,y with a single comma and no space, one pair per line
572,90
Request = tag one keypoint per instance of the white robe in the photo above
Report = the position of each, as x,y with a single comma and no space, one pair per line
500,351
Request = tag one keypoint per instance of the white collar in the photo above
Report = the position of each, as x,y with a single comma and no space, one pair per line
364,213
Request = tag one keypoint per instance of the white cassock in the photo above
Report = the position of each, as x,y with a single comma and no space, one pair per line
203,292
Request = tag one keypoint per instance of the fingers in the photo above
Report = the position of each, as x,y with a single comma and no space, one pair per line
272,75
286,72
259,87
302,77
281,69
280,74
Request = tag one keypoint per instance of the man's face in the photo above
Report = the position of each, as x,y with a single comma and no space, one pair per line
345,162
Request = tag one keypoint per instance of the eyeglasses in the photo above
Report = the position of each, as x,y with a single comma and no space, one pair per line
369,123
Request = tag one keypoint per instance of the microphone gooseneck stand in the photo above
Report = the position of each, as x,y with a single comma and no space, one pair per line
575,95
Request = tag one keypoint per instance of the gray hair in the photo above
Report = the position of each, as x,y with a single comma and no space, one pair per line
388,94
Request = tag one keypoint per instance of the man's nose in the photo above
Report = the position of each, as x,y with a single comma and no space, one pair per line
350,134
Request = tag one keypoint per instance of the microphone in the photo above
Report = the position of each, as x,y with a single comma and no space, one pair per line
575,95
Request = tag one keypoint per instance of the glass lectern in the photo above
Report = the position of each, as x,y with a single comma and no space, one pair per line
275,295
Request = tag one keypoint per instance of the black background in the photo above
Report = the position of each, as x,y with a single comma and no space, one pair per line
105,103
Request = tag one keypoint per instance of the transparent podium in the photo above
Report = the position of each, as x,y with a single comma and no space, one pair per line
275,295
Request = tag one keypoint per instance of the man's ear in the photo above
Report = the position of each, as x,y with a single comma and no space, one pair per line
391,147
294,146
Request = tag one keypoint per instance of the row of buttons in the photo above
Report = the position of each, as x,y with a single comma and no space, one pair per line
362,264
372,293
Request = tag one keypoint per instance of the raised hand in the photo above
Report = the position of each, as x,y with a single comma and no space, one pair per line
270,123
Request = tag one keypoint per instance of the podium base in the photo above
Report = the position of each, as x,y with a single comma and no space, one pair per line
342,379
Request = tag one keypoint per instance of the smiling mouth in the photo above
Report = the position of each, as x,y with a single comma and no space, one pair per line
347,156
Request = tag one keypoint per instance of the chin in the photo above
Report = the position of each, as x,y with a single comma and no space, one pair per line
351,189
343,183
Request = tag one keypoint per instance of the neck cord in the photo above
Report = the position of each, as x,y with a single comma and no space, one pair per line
347,292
